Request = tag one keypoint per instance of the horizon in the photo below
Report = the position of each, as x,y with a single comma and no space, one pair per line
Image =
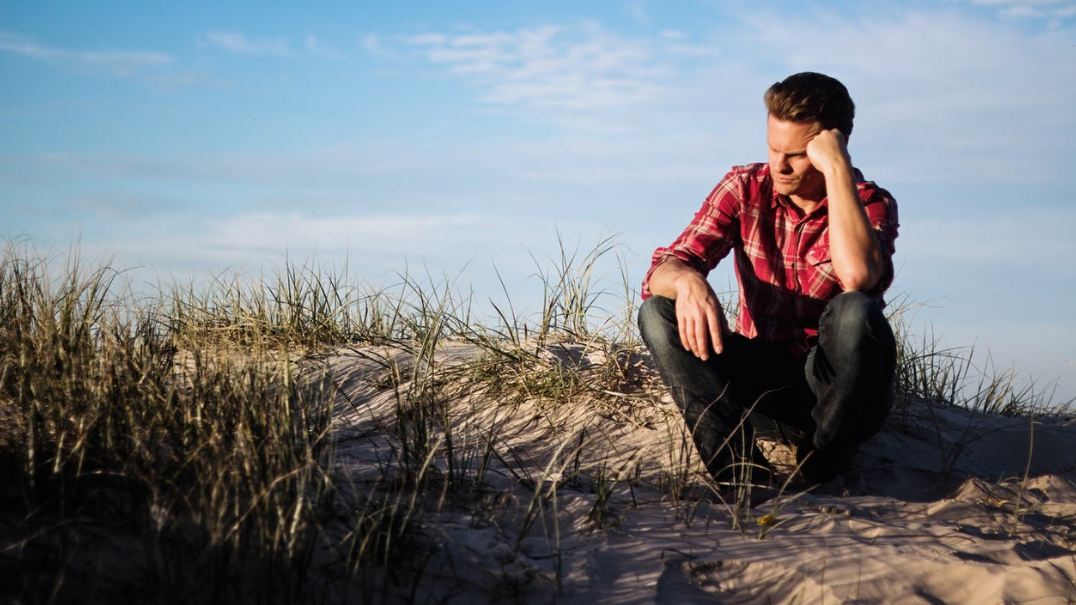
183,143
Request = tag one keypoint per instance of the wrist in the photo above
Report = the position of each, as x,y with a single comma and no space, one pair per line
838,173
685,281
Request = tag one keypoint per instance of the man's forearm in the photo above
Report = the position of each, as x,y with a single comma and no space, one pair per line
854,250
664,280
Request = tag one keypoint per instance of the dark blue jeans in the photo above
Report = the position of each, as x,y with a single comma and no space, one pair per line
834,398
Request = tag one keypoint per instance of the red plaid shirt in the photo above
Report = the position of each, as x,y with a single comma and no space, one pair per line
783,264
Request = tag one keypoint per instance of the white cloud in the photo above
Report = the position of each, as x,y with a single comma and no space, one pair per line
371,43
943,96
550,67
119,63
1035,240
1058,9
391,233
494,172
940,92
638,11
239,43
316,47
369,244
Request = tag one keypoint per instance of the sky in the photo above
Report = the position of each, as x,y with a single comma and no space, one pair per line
191,139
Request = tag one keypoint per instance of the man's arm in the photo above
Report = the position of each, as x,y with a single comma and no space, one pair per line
857,257
679,271
698,312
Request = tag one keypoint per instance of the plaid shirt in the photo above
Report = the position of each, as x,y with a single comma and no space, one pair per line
783,264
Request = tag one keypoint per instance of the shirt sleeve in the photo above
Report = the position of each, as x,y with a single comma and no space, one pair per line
710,235
881,211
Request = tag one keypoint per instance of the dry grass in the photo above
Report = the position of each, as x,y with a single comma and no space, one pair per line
206,469
195,430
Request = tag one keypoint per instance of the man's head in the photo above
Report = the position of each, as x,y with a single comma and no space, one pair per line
801,106
812,97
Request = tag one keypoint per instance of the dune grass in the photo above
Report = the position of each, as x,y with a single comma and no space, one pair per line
961,377
181,448
205,471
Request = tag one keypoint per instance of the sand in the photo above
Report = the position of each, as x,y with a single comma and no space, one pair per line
595,501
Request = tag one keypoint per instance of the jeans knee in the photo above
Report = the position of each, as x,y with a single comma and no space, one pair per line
657,320
853,323
851,313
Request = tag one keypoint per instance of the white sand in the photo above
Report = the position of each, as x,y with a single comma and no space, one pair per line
936,509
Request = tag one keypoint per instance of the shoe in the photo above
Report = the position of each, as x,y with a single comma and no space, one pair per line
824,465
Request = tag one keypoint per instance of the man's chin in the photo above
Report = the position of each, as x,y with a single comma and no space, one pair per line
785,188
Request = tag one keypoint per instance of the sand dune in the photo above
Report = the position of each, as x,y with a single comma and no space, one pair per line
587,501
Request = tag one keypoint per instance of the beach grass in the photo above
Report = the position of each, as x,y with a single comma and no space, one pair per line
182,447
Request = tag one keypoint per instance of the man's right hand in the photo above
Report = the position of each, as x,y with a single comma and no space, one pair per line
698,315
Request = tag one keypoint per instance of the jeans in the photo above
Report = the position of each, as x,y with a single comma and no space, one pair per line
835,397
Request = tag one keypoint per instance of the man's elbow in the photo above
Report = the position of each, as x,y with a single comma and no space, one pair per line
859,280
862,278
858,285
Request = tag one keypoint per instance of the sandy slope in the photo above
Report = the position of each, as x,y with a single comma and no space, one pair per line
934,511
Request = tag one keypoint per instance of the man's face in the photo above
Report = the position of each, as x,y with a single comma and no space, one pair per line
791,169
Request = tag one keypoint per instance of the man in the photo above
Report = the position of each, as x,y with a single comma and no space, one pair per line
812,243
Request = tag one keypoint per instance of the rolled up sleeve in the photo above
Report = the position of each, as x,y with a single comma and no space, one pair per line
881,211
709,236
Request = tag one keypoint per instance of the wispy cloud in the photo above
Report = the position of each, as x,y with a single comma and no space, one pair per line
638,10
117,63
242,44
1035,242
239,43
370,243
389,233
315,46
991,106
550,66
371,43
1053,9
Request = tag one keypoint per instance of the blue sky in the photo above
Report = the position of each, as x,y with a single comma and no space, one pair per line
188,139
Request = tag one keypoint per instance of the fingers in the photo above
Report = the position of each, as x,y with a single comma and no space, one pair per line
682,326
693,335
686,324
702,344
713,320
699,322
698,328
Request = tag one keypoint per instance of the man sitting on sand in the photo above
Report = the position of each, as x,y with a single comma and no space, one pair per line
811,348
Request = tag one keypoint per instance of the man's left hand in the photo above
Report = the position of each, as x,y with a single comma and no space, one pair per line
828,149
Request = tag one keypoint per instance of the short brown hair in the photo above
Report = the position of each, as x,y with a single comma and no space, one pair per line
812,97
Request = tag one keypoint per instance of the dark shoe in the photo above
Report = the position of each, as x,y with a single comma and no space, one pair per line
822,466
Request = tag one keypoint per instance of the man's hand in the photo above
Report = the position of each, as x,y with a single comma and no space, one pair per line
698,315
857,259
828,150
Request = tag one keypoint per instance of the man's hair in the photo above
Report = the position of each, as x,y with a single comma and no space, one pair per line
812,97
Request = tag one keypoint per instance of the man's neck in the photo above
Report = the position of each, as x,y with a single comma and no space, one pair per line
808,204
